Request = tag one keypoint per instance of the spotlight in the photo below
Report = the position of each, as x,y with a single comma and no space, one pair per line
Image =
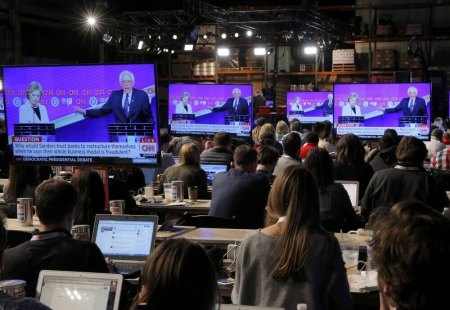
310,50
249,33
259,51
270,51
223,35
174,37
140,45
205,36
236,34
107,38
172,52
91,21
223,52
188,47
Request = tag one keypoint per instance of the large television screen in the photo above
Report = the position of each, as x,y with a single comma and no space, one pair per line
82,114
2,108
204,109
366,110
309,107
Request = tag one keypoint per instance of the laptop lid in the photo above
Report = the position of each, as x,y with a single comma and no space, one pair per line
212,169
71,290
125,237
352,188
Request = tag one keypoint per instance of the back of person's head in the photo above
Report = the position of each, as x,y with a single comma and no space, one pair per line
411,151
295,125
189,155
291,144
437,133
261,121
91,196
176,143
267,130
312,137
267,155
178,275
386,142
255,134
349,150
294,195
164,140
412,249
21,176
393,133
320,164
318,128
222,139
245,157
54,200
282,128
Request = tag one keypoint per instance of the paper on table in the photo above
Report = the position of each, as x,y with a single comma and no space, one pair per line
365,282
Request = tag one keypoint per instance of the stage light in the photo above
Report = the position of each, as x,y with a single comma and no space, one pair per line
223,35
91,21
107,38
223,52
270,51
189,47
310,50
205,36
174,37
140,45
249,33
172,52
236,34
259,51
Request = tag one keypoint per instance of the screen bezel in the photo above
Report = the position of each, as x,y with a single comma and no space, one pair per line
169,127
105,163
309,92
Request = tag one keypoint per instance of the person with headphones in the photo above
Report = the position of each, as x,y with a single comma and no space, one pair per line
32,111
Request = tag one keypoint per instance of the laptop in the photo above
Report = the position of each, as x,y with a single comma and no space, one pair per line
212,169
237,307
71,290
125,240
352,188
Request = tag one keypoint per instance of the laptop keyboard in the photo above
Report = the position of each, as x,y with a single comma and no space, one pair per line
127,268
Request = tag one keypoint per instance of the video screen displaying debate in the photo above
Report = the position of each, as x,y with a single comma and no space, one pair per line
204,109
309,107
368,109
91,114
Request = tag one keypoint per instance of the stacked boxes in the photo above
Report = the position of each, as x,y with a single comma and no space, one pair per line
384,59
410,62
344,56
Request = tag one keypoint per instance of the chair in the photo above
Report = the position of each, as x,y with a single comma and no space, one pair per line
207,221
17,237
264,111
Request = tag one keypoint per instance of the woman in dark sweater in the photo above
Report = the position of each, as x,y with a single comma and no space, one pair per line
350,165
336,211
187,170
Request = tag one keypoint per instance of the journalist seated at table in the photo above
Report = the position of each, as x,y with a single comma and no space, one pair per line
221,153
13,302
240,193
52,247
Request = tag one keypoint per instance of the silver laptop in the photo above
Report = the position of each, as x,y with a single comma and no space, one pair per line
71,290
125,240
352,188
212,169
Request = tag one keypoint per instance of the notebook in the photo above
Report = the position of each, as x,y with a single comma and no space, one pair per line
125,240
212,169
352,188
71,290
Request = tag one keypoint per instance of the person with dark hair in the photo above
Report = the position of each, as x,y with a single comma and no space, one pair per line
166,158
91,196
435,145
385,156
187,170
291,148
23,180
292,260
312,142
336,210
177,275
319,129
296,126
240,193
13,302
52,247
412,249
221,153
177,142
267,159
407,180
350,165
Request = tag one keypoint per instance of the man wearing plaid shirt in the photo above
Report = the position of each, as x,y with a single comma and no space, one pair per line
441,159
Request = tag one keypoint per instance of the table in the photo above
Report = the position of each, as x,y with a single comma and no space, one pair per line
14,224
179,230
362,239
217,236
198,207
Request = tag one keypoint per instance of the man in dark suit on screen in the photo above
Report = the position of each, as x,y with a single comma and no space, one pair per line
130,105
327,105
235,105
411,106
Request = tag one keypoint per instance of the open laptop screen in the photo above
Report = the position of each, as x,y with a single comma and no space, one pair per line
125,236
79,290
212,169
352,188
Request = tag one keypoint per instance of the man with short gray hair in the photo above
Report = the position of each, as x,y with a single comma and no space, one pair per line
411,105
235,105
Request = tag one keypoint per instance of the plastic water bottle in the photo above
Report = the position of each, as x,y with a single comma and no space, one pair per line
370,263
302,307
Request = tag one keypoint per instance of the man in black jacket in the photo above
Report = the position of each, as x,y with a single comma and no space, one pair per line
52,248
221,153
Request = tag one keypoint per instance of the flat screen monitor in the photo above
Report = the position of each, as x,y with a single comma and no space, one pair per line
204,109
309,107
367,110
2,108
82,114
